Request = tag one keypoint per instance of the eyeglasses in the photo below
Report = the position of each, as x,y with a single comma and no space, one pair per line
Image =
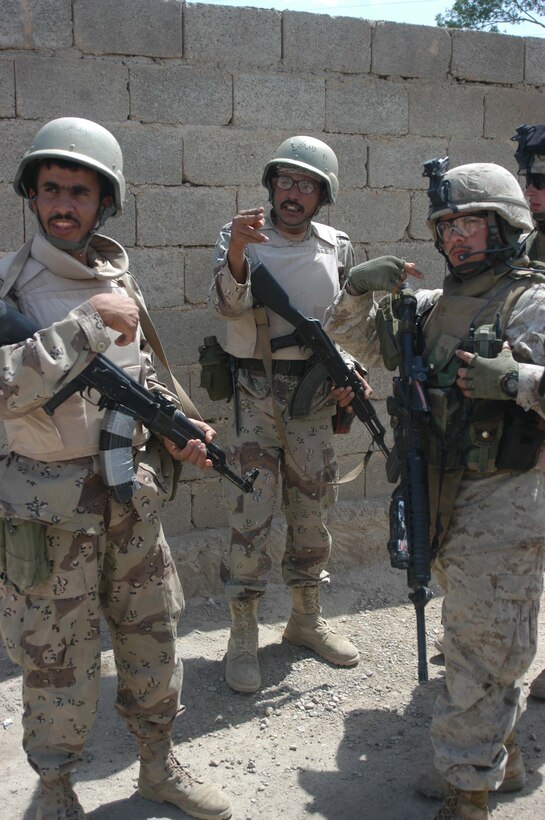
306,186
462,225
537,180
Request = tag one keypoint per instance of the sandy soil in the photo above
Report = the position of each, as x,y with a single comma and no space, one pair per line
317,741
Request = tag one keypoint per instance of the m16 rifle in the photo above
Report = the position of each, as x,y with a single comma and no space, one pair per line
327,359
125,401
409,543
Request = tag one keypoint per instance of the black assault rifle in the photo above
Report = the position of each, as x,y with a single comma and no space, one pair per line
125,401
309,333
409,544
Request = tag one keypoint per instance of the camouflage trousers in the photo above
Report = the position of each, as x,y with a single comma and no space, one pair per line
491,568
306,497
120,567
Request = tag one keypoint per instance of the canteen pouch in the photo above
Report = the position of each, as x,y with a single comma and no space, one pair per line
23,552
215,369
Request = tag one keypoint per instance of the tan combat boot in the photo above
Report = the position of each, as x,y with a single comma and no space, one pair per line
461,805
57,800
241,664
537,688
431,783
306,627
164,780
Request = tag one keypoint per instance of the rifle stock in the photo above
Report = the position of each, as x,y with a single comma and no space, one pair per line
126,401
309,333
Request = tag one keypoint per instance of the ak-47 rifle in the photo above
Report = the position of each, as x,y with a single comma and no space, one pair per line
125,401
409,543
309,333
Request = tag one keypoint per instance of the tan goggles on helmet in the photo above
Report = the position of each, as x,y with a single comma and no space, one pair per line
462,225
306,186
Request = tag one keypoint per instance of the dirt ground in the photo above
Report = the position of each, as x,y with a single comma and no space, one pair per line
316,741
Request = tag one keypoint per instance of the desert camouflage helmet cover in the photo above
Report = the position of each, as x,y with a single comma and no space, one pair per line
478,186
76,140
308,155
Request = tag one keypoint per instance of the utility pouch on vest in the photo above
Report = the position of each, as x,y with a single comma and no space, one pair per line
215,369
521,442
442,361
484,441
387,325
23,553
445,409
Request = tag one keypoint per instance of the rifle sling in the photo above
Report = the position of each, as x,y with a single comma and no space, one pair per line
264,347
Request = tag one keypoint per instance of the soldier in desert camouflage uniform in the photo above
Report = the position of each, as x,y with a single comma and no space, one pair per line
69,550
306,258
486,481
530,155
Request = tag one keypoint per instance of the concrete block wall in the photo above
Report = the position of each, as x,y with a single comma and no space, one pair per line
200,96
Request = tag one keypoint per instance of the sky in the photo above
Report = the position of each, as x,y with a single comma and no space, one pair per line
417,12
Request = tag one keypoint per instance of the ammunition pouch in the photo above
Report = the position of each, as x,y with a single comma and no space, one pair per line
23,553
387,327
215,365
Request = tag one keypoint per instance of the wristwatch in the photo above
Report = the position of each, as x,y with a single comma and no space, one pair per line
510,384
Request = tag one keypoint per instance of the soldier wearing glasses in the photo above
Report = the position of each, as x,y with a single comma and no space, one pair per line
482,339
308,259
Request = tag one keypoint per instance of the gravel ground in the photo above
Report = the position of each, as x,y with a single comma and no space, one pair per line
315,741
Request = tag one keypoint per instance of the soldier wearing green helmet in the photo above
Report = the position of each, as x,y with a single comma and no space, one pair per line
309,260
482,341
70,551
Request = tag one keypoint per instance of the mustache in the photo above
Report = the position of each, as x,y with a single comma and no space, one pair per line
293,204
64,218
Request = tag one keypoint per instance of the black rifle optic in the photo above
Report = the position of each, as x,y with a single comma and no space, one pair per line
309,333
409,544
125,401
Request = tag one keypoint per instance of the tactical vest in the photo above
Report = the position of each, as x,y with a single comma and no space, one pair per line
476,435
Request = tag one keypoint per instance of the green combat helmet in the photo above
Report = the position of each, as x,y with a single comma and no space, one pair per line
73,139
479,186
308,155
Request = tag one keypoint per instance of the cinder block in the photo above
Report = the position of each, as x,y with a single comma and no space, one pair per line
129,27
199,263
256,197
7,88
123,228
370,215
160,274
366,107
506,108
418,228
338,44
182,216
534,65
227,156
223,34
15,138
487,57
397,163
152,154
265,100
441,110
180,94
35,24
428,55
181,331
11,224
93,89
498,150
352,154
